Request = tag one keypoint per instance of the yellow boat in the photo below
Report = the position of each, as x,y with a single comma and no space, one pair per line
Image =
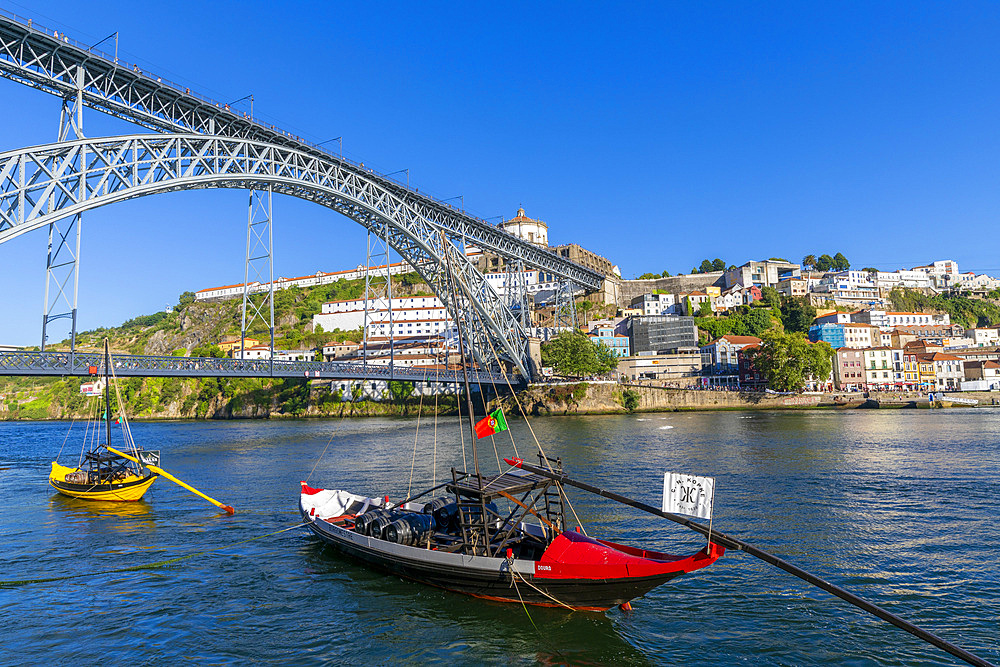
105,473
121,486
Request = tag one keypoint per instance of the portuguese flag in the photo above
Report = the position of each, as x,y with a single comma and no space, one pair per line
490,424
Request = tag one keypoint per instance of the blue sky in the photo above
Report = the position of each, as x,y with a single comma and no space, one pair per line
654,134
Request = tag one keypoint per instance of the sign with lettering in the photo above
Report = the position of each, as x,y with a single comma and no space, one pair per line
688,494
149,457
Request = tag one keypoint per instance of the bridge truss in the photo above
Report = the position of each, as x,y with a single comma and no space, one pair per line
207,144
83,364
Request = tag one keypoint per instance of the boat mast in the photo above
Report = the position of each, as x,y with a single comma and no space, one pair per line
107,392
461,352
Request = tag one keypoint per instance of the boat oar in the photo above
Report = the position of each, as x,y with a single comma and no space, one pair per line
733,543
164,473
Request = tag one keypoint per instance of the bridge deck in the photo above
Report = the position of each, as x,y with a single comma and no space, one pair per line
84,364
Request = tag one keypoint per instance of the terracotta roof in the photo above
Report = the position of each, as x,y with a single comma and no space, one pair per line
212,289
738,340
939,356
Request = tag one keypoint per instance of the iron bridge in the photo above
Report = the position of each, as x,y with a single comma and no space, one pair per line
206,144
82,364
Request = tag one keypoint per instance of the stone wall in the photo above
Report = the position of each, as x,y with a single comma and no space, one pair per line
672,285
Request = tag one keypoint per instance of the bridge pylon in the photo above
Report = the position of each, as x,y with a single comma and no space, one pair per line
62,265
258,303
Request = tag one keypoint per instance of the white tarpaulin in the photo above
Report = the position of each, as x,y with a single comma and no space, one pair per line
688,494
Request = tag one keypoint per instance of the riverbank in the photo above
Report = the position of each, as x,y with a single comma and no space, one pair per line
227,399
613,398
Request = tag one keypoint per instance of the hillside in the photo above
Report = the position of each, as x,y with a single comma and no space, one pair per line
192,329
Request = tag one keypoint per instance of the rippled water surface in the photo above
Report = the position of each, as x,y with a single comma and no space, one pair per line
899,507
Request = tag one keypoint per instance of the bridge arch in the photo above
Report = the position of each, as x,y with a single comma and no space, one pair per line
43,184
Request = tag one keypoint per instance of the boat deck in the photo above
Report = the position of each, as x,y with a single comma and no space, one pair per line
496,486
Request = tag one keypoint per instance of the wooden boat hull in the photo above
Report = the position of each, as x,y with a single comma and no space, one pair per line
586,574
129,489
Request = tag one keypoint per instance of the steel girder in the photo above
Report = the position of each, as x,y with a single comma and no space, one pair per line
53,62
82,364
46,183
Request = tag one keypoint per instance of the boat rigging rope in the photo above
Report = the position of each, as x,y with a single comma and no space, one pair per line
68,431
148,566
461,428
416,433
524,416
434,472
343,416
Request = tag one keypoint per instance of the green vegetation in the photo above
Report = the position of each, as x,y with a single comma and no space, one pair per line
653,276
572,353
826,263
630,400
797,314
963,310
709,265
788,360
743,321
195,328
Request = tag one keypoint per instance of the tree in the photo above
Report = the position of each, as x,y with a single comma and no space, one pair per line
809,260
584,307
825,263
208,351
705,309
718,265
356,390
648,276
665,274
788,360
573,353
770,297
184,300
797,314
400,390
840,262
757,321
705,266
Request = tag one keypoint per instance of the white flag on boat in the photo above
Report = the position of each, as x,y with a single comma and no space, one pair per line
688,494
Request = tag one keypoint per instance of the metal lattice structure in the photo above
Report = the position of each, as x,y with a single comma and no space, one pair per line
83,364
565,306
258,305
34,56
211,145
45,183
62,263
378,295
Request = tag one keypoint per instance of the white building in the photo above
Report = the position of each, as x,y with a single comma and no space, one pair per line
984,336
656,304
532,231
533,281
859,336
318,278
848,287
891,319
349,314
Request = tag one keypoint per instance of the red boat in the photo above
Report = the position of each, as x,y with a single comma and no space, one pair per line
464,543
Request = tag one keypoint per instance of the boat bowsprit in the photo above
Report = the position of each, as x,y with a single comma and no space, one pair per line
445,543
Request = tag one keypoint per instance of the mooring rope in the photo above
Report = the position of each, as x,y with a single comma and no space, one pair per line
148,566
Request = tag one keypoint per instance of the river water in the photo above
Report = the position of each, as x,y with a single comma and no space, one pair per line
897,506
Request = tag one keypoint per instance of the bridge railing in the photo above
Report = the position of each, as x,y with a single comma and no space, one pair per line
92,364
